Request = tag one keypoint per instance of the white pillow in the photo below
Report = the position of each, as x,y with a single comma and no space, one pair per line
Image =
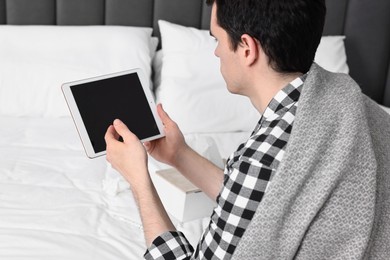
193,91
331,54
36,60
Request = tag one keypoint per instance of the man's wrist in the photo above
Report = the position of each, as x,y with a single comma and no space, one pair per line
180,157
141,184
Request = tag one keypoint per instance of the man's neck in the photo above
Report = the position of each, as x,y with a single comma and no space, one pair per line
267,87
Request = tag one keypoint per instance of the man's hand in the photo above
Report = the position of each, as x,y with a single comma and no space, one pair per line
173,150
128,157
169,148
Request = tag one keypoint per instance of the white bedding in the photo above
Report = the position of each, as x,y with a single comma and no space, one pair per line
55,203
51,200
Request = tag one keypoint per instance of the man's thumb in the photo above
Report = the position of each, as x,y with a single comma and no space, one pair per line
122,129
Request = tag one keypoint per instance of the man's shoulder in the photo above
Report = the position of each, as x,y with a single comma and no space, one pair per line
318,74
331,87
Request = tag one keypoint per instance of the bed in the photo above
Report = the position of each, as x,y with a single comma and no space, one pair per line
55,203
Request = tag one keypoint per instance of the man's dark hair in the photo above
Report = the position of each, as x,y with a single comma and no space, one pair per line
289,31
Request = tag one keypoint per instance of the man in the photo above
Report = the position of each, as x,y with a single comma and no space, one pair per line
304,184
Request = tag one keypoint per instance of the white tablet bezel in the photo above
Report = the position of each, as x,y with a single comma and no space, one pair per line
81,129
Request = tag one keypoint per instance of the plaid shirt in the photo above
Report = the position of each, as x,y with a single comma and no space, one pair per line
248,172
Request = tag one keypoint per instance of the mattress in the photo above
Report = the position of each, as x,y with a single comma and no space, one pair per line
55,203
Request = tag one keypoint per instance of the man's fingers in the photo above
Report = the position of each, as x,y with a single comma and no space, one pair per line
163,115
122,130
111,134
149,146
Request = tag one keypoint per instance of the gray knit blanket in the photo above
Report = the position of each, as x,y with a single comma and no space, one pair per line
330,197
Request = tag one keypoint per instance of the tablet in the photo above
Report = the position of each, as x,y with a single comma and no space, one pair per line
95,103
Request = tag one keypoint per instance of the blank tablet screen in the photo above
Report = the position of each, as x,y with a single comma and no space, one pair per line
122,97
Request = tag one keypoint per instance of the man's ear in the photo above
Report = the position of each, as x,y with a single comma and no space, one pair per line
250,49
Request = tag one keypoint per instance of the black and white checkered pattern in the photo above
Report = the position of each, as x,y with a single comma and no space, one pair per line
248,172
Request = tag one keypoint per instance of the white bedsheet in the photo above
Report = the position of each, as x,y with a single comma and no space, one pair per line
54,201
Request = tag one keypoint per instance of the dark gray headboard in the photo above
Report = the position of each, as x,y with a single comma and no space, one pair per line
366,24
